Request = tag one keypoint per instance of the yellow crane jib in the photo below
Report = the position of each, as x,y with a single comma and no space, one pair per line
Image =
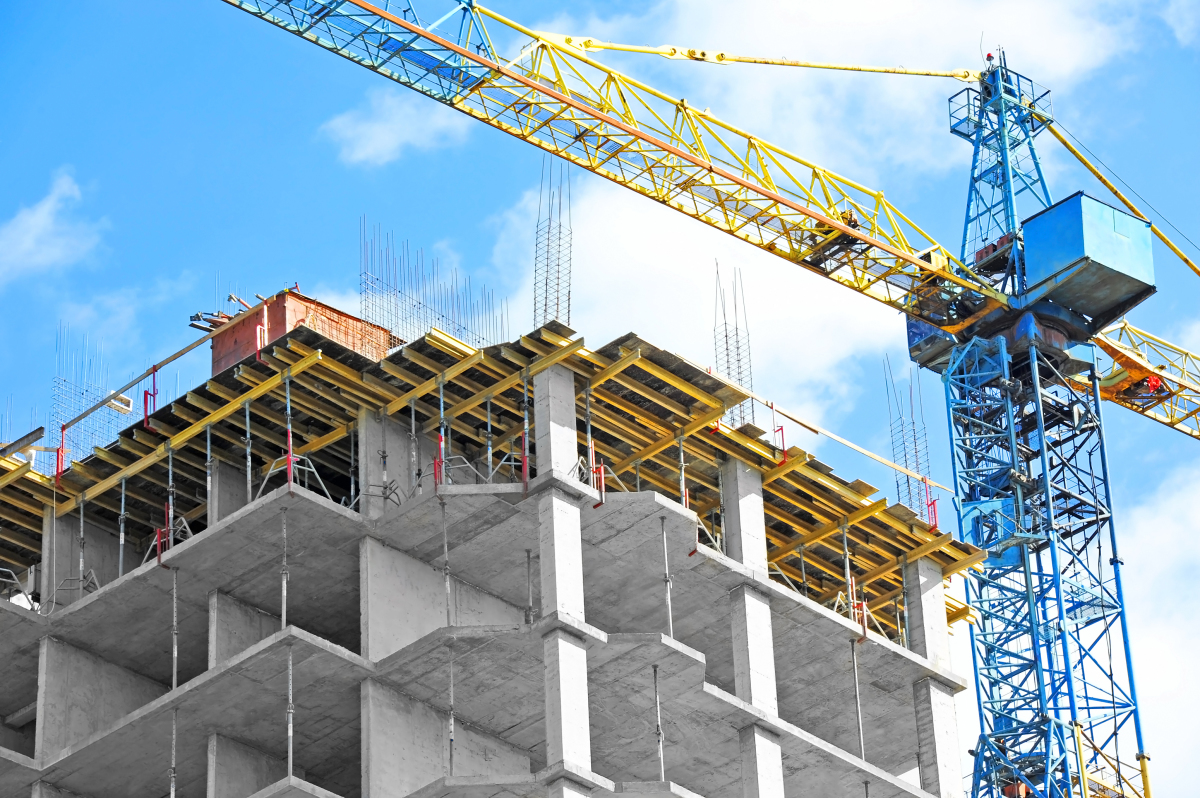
588,44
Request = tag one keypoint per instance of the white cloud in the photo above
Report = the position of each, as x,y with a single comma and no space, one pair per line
641,267
393,121
46,235
1184,18
1162,554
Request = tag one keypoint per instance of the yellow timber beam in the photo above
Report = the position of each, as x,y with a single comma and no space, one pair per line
938,543
179,439
401,401
15,474
817,535
666,440
607,373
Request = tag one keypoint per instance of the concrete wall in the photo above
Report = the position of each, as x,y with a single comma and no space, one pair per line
374,437
236,770
228,491
404,599
80,693
405,746
234,626
60,556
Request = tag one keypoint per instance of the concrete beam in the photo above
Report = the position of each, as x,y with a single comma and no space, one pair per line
79,694
391,579
234,626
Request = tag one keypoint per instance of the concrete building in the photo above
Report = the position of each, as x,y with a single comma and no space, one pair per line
435,602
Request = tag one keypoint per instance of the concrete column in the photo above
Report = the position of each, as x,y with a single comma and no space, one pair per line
554,432
80,694
937,739
384,456
563,788
60,556
228,490
925,603
753,639
236,770
561,554
234,626
568,726
937,726
403,599
762,763
405,746
753,649
745,527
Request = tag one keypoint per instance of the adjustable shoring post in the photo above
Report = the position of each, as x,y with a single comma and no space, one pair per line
249,467
637,475
174,737
846,570
862,745
489,438
287,398
667,579
413,455
529,585
170,496
174,628
658,728
904,592
121,538
803,569
440,473
353,464
587,420
450,718
446,559
82,543
208,465
525,434
291,711
283,577
682,473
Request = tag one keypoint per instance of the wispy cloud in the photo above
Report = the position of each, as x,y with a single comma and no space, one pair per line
46,235
393,121
1184,18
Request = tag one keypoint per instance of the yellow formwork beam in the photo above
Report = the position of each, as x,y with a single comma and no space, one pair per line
179,439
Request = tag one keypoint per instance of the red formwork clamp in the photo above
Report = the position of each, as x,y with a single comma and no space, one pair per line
150,398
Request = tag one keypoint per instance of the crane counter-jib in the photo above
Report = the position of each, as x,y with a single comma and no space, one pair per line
661,147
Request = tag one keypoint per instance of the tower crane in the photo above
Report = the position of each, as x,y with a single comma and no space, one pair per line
1012,322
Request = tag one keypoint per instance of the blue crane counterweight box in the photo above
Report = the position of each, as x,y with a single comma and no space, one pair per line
1088,257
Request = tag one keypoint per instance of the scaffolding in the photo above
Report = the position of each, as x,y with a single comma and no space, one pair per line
731,342
552,253
399,291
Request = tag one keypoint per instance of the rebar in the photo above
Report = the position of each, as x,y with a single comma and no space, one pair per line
552,251
731,342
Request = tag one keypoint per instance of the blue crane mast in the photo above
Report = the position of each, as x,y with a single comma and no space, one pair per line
1052,661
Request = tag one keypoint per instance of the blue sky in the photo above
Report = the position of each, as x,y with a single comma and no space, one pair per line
146,148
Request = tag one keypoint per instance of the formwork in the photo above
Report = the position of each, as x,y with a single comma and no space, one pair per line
532,569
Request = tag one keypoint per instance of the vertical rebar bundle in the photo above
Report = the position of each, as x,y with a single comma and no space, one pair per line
731,342
552,252
398,291
80,377
910,445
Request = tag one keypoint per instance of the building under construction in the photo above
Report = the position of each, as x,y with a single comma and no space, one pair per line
349,565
